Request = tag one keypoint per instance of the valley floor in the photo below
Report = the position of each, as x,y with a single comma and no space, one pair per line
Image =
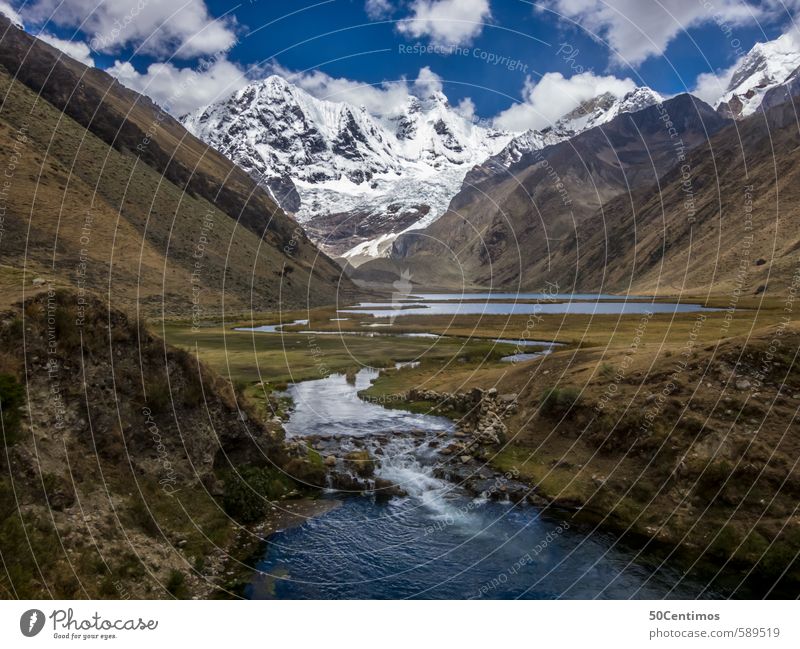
678,430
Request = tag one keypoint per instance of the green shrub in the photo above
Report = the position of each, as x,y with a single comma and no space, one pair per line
247,495
557,402
176,584
607,370
12,398
67,333
159,396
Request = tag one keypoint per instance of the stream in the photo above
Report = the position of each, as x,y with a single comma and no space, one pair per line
437,539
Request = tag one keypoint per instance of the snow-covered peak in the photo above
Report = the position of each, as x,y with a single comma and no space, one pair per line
322,158
765,66
589,114
603,108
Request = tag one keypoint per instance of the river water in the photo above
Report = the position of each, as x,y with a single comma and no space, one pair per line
438,541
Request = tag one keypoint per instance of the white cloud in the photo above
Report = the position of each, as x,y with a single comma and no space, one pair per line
427,83
9,12
447,23
378,9
74,49
466,108
636,30
710,87
181,90
554,95
382,99
184,29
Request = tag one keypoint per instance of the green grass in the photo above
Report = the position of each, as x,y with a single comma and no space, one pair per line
287,358
551,481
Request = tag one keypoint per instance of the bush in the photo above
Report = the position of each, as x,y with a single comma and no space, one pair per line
159,397
607,370
557,402
247,495
67,332
12,398
176,584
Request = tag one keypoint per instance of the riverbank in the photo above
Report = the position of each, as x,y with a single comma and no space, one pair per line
239,568
685,448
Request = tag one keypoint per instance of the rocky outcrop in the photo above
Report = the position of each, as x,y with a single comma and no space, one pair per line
121,452
484,411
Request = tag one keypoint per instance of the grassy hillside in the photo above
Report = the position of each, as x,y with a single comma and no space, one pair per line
111,194
128,467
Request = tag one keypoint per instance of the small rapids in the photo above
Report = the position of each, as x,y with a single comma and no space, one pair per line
437,540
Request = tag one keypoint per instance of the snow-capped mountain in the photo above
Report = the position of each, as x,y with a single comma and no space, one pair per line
356,181
765,66
589,114
353,180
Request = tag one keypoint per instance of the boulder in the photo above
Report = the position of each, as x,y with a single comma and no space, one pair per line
388,489
360,462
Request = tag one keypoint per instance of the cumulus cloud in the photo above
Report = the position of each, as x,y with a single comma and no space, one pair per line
74,49
427,83
383,99
184,29
710,86
378,9
9,12
380,99
181,90
447,23
636,30
555,95
466,108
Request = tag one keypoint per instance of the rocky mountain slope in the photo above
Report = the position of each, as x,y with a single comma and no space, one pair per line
117,457
726,221
508,225
610,211
589,114
112,195
765,66
130,469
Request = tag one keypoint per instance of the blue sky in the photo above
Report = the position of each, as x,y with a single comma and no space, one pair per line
485,55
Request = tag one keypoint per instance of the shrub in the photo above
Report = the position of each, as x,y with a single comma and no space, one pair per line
12,398
607,370
247,495
159,396
176,584
67,332
557,402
